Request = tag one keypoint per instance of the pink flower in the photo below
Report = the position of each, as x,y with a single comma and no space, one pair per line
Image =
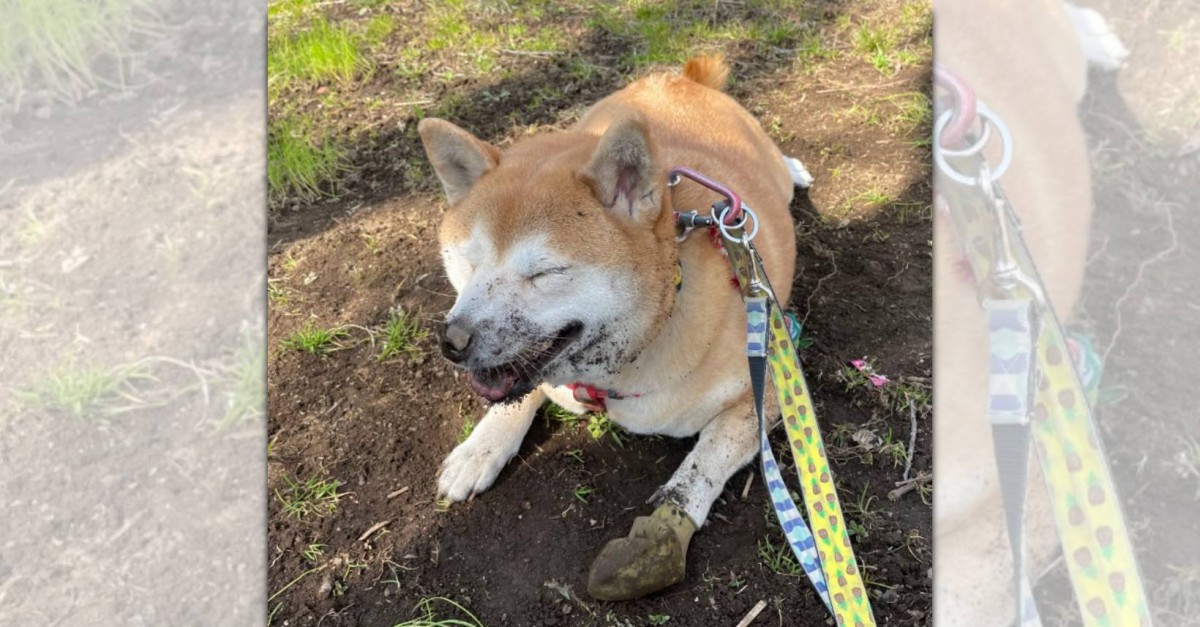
878,380
858,363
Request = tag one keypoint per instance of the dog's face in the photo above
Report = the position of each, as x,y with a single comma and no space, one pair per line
562,253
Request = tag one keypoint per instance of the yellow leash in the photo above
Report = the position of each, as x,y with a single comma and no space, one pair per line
848,599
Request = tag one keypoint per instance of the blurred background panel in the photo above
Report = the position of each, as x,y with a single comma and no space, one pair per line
132,389
1100,101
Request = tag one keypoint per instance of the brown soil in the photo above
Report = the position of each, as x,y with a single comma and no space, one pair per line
519,553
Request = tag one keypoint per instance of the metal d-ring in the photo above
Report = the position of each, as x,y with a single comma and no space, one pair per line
747,214
971,150
987,118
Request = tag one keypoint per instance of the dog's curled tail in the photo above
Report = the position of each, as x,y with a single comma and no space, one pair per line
709,70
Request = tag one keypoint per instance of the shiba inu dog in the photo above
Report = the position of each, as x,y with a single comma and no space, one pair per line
563,252
1049,186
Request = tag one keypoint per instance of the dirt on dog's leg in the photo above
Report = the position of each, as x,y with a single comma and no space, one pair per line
727,444
654,554
473,466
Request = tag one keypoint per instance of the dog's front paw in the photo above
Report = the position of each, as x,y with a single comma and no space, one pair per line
471,468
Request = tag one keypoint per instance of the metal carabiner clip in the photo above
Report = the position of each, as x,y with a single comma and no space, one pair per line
1006,274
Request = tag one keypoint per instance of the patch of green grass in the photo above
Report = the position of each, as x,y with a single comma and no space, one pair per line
314,340
32,230
409,64
455,615
913,112
447,28
861,509
243,383
278,294
894,449
467,429
864,114
401,334
872,198
313,552
299,165
667,33
658,619
813,48
59,44
314,497
378,28
909,211
556,414
779,558
86,390
290,263
916,17
878,45
320,53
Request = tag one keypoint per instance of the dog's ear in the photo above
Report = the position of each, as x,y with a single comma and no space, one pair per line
622,172
458,157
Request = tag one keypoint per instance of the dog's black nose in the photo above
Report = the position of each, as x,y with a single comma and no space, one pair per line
456,342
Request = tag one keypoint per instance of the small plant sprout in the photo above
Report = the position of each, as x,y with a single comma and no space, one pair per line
658,619
599,426
582,493
402,333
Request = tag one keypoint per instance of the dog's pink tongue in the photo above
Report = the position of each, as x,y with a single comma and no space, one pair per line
494,389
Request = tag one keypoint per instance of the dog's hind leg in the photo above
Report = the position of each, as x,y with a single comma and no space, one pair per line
654,554
473,466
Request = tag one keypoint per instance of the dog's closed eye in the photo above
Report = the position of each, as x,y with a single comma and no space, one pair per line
541,274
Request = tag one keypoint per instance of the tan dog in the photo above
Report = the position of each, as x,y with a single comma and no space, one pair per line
563,252
1049,185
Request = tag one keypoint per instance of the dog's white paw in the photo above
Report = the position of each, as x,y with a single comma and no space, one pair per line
1101,45
472,467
